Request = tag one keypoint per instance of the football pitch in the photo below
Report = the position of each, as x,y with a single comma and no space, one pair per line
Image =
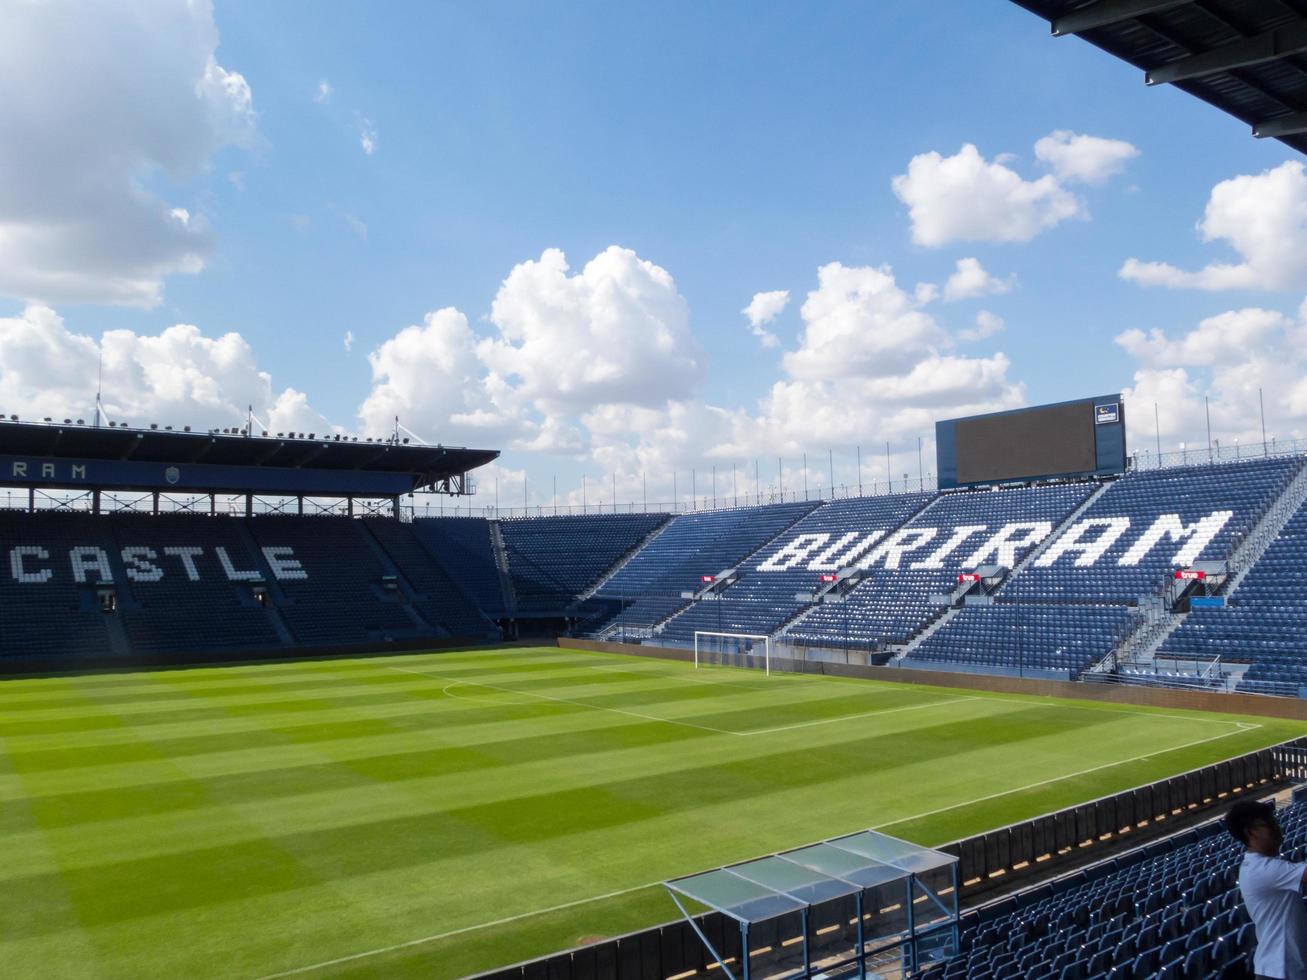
437,814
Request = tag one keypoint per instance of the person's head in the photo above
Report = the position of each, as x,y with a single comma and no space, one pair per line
1254,826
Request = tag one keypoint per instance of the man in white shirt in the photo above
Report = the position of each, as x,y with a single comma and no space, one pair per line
1272,892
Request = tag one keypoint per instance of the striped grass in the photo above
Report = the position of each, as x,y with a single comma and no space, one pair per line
437,814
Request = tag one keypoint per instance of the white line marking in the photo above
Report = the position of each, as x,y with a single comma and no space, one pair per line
454,932
581,704
651,884
864,714
673,721
1070,775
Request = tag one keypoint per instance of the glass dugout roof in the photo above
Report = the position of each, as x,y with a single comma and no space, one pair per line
793,880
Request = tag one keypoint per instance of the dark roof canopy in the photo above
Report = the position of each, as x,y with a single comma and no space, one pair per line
1246,57
424,465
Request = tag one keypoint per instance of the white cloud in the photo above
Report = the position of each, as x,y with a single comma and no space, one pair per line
617,331
349,341
1263,218
1217,340
987,324
970,280
322,94
178,377
763,309
968,198
859,323
430,377
367,135
1230,358
1091,159
145,97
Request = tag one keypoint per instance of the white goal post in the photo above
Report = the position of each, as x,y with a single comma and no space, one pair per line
732,649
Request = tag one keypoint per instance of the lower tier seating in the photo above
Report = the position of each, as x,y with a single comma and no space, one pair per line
1171,910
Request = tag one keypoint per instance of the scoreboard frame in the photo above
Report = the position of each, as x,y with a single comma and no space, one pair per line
1074,439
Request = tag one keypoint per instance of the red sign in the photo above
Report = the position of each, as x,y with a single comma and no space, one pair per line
828,578
1190,574
968,577
707,578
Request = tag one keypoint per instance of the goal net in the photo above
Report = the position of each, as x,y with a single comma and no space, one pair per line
732,650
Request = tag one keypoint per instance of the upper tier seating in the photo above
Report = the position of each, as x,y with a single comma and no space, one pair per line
760,601
552,560
462,547
1265,621
1171,911
893,601
649,586
1133,505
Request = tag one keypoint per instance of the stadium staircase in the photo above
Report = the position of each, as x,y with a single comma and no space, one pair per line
802,613
1026,561
278,594
1139,652
1044,545
501,565
625,560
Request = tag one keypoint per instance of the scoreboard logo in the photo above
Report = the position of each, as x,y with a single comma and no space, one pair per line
1105,414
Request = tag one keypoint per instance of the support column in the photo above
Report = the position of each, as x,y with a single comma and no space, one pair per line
249,505
95,501
299,505
349,506
155,497
31,500
213,504
395,501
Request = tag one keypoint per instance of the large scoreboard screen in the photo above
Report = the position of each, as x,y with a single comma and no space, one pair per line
1079,438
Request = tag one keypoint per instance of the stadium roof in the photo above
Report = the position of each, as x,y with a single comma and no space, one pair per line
348,459
1246,57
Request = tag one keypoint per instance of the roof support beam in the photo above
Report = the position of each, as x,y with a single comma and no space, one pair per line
1107,12
1271,46
1290,125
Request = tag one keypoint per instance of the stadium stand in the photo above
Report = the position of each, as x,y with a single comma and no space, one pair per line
761,602
1170,910
462,547
552,560
1264,621
175,613
347,598
648,588
437,596
61,618
892,604
1192,493
1031,638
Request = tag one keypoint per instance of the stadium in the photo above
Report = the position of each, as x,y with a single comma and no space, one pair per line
263,715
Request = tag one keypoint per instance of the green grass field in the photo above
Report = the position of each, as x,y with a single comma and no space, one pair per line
437,814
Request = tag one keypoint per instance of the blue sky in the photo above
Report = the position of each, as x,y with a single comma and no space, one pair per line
725,149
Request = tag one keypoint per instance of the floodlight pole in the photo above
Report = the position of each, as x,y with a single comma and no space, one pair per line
805,476
921,473
830,458
1261,406
780,478
1207,410
859,448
